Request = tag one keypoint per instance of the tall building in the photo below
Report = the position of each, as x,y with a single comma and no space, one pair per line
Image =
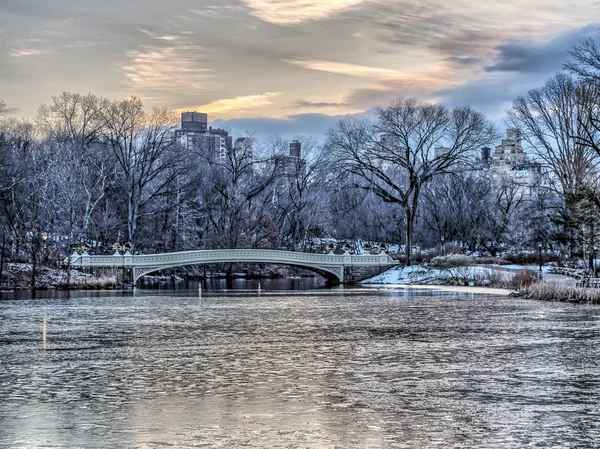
485,156
198,138
244,146
294,161
293,166
510,152
295,149
194,121
509,162
441,151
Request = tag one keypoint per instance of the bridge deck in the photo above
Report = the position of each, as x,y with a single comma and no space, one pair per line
142,264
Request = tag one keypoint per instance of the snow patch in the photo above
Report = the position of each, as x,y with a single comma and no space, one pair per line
423,275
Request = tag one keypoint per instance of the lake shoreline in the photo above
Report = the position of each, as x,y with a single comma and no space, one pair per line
17,277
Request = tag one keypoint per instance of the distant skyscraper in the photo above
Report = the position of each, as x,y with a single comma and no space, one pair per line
198,138
508,162
295,149
441,151
485,155
510,152
243,148
294,164
194,121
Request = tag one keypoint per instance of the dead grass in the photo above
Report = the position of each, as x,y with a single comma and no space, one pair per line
549,291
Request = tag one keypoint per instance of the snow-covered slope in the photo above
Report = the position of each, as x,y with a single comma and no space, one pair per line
422,275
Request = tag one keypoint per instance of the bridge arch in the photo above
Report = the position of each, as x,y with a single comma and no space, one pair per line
330,274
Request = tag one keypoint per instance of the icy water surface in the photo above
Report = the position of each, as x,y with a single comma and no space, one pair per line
354,368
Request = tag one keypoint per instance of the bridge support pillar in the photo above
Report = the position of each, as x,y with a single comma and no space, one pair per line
127,273
355,274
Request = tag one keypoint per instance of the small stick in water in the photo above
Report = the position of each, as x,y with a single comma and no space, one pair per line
44,331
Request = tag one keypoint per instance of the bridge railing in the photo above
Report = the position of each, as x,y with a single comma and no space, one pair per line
228,255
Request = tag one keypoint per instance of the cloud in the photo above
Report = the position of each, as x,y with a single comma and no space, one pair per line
159,71
310,104
82,43
345,69
419,84
488,93
539,56
161,37
518,67
315,125
462,60
466,44
236,106
23,52
8,111
323,55
292,12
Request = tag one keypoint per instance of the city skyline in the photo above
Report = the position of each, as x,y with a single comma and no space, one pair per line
287,67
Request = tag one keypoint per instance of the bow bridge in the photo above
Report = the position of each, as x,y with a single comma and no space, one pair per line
345,268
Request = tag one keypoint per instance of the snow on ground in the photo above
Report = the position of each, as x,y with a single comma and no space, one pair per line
422,275
419,275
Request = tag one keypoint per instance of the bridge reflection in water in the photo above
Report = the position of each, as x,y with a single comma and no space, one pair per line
337,268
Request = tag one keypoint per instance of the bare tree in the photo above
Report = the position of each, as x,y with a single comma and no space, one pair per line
502,220
555,120
76,124
355,214
74,118
146,152
234,192
396,155
299,197
456,207
585,64
585,61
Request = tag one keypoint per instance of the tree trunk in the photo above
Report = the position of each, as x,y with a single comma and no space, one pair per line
132,214
410,211
409,236
2,256
34,259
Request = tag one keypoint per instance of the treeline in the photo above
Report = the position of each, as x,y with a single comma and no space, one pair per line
91,171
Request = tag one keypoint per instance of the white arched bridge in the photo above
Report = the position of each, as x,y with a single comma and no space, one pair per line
344,268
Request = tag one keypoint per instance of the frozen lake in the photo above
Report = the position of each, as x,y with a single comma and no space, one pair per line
315,368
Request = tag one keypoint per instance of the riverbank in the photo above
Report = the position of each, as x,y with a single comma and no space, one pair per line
465,276
18,276
515,280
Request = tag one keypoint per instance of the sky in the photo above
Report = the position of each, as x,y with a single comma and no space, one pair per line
288,67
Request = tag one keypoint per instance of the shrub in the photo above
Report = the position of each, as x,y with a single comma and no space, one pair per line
491,261
451,261
523,278
533,258
494,279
